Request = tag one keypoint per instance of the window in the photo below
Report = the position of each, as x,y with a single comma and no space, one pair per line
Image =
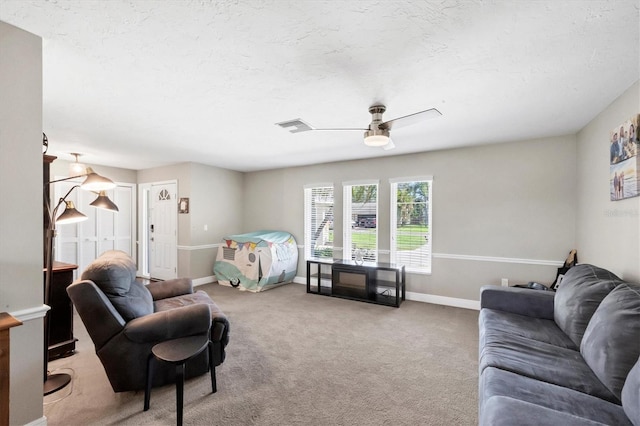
361,220
318,221
411,223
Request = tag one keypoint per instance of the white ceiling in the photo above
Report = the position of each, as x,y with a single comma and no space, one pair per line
139,84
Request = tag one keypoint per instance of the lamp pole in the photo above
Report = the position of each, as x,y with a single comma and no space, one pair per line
52,382
93,182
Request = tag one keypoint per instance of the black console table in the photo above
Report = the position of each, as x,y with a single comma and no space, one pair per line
373,282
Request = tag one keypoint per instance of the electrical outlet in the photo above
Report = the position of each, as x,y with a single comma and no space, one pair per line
206,227
505,282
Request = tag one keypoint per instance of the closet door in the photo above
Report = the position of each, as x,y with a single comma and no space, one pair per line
87,231
105,224
104,230
123,226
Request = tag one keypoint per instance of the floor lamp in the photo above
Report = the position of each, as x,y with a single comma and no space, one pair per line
95,183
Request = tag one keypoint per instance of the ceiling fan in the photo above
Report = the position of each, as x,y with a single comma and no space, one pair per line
377,134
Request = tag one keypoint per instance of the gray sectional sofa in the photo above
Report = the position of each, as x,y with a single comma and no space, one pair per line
565,358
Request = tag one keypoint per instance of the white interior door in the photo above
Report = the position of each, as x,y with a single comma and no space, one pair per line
163,234
83,242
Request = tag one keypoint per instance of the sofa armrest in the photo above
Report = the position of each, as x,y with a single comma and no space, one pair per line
523,301
170,288
171,324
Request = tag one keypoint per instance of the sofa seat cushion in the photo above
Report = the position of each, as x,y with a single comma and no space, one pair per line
542,330
611,342
220,327
495,382
183,300
579,295
506,411
542,361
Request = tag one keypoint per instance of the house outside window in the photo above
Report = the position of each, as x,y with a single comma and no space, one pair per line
411,226
360,220
318,221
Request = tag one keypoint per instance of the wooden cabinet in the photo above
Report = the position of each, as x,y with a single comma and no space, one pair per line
6,322
61,340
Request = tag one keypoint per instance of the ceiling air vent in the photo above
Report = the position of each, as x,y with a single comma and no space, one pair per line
295,126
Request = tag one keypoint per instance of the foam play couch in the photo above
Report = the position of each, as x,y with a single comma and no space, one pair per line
569,357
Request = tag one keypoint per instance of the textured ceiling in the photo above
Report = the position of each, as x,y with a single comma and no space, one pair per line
138,84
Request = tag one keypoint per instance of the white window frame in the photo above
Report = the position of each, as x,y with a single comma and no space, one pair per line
347,251
425,266
308,220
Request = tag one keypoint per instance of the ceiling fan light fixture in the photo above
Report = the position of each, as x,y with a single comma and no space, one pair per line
376,137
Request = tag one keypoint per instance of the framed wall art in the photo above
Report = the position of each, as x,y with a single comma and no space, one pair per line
183,206
624,160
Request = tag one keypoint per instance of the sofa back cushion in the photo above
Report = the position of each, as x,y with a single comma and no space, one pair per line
114,272
631,395
138,302
611,342
582,289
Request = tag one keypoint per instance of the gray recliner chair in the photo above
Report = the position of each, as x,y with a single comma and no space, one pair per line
125,319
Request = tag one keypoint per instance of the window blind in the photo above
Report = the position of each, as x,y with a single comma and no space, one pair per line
411,226
318,222
360,203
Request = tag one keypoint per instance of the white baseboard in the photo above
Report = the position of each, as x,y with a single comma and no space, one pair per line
42,421
204,280
443,300
426,298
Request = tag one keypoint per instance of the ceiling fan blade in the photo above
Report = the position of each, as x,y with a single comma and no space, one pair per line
410,119
350,129
298,125
389,145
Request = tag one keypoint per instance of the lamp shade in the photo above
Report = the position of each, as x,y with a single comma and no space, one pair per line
95,182
103,202
70,214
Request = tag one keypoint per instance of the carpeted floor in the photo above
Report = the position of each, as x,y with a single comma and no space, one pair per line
302,359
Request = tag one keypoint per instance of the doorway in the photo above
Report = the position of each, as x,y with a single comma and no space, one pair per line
158,250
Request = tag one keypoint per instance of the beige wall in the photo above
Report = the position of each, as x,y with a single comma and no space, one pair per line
608,232
21,278
216,202
517,201
513,200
